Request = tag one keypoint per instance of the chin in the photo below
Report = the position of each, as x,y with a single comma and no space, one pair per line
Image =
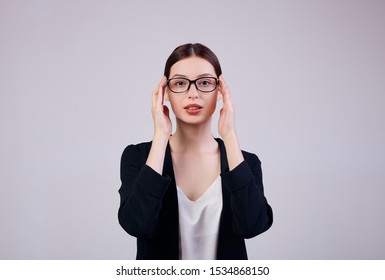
194,120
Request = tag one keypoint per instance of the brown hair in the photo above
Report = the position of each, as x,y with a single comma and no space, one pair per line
188,50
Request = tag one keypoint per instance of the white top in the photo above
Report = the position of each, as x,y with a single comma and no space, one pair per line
199,223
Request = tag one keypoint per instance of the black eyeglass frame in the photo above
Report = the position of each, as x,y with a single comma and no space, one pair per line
193,82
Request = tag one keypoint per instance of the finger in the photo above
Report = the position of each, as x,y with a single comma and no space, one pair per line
159,100
160,91
224,90
223,85
163,82
154,97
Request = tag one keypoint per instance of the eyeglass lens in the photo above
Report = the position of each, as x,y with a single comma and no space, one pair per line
180,85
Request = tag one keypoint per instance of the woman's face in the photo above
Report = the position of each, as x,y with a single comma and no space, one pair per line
192,106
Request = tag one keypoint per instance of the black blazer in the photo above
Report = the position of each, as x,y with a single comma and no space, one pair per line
149,205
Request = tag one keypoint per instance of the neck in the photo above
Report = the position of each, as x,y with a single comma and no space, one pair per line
194,138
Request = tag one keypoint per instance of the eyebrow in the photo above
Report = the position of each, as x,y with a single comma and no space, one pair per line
199,76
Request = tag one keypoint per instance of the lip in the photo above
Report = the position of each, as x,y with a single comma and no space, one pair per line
193,109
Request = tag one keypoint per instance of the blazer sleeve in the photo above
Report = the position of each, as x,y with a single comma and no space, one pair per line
252,214
141,193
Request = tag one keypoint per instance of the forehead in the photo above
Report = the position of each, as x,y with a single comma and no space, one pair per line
192,67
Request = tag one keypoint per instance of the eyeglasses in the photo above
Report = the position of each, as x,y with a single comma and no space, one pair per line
182,85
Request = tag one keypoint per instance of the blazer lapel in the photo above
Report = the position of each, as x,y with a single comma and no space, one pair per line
223,156
168,169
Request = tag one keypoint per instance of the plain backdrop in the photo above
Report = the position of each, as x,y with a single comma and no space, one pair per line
307,80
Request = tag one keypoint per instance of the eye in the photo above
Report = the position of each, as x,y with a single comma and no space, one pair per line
179,83
205,82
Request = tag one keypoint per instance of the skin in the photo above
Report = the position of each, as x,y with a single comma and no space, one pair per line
194,151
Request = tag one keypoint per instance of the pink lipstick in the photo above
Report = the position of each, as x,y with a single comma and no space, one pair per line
193,109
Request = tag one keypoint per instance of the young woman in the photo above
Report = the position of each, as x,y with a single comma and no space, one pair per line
188,195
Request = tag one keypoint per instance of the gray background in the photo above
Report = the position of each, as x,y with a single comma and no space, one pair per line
308,83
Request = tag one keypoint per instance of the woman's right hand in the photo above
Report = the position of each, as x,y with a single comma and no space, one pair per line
160,112
162,128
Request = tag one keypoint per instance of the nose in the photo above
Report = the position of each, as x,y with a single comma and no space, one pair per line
193,91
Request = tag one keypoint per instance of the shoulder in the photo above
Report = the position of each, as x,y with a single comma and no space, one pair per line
249,157
136,151
140,147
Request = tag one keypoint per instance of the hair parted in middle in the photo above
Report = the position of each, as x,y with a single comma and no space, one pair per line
189,50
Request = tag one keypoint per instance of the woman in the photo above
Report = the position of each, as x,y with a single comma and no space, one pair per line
189,195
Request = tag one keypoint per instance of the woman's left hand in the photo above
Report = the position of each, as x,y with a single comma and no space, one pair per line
226,124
